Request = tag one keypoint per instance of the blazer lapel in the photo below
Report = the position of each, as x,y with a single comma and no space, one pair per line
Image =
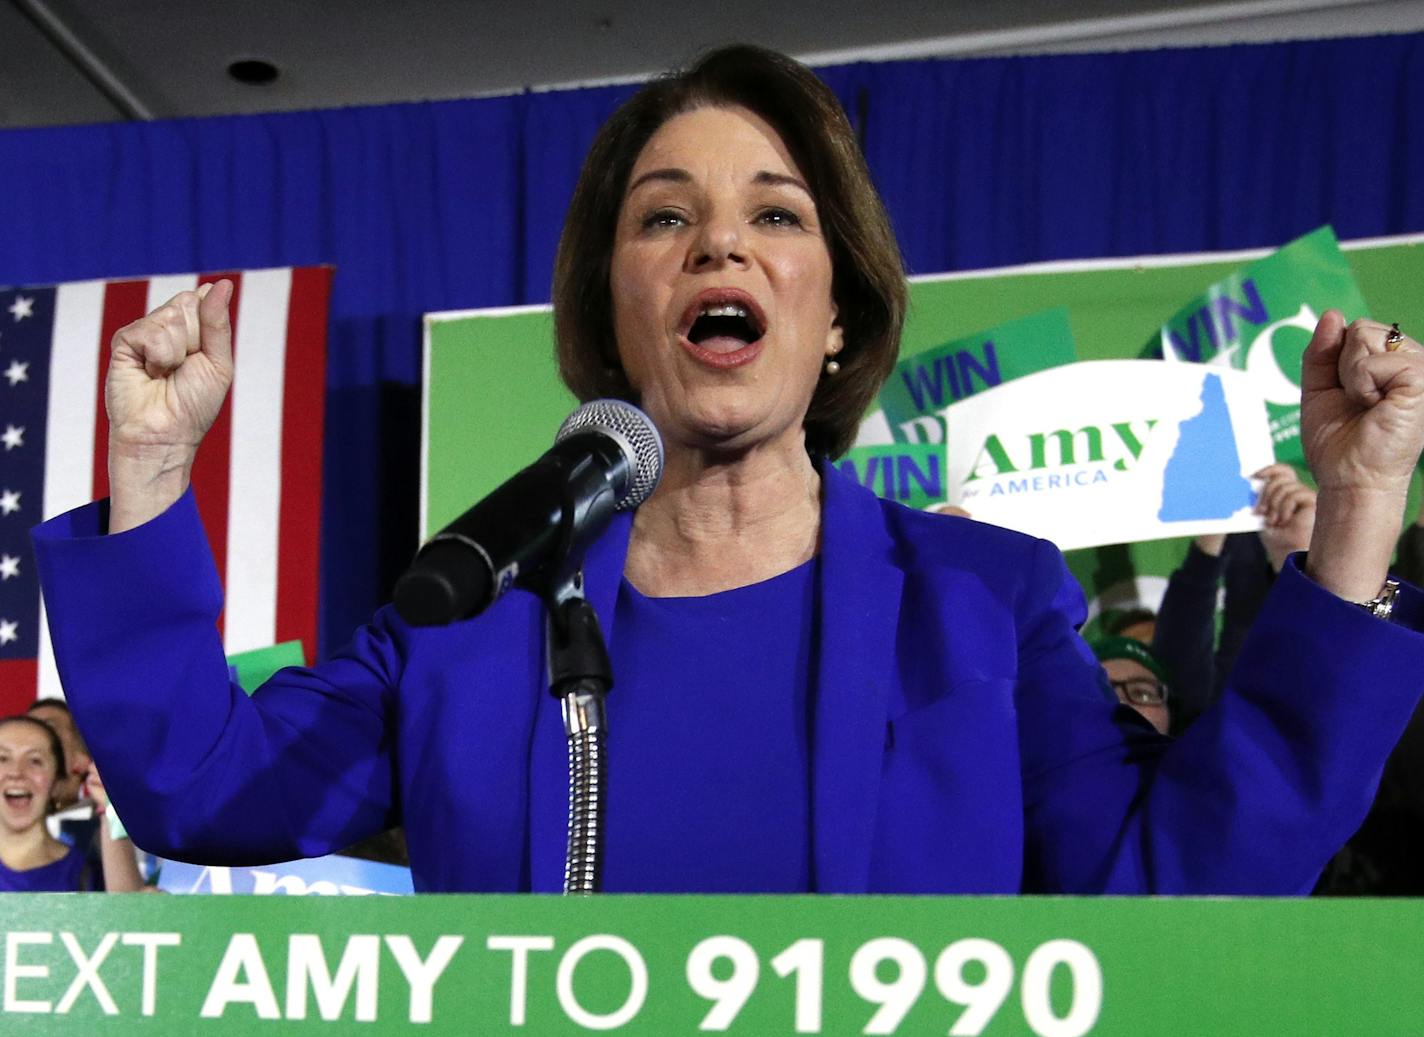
859,612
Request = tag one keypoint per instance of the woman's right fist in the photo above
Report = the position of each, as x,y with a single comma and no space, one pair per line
169,372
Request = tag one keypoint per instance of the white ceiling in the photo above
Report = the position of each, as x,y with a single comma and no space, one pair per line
73,61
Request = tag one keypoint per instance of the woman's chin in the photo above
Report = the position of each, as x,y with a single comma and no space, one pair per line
727,435
726,422
17,822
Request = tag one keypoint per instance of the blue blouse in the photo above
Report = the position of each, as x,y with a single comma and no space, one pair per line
62,876
733,818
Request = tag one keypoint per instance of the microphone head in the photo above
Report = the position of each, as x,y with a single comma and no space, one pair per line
636,436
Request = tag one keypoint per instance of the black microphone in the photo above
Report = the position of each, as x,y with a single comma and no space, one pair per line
533,530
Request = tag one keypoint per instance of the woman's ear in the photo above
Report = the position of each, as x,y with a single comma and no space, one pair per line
835,336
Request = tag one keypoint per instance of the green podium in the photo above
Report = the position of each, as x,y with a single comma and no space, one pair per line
763,965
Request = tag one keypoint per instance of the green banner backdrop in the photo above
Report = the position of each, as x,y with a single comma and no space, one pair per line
493,399
661,965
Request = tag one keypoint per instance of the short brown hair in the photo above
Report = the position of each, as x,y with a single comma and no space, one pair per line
868,277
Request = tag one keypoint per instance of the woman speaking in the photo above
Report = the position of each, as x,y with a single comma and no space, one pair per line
816,690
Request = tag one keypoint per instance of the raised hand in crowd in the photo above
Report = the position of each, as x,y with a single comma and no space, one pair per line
121,871
1287,507
950,509
168,374
1362,425
1211,544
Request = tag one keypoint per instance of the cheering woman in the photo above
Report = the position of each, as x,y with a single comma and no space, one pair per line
816,690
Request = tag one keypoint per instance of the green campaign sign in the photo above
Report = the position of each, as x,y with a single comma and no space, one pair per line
493,399
924,384
1259,320
760,966
912,473
254,667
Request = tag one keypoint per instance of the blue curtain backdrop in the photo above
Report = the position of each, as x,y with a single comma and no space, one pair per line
982,162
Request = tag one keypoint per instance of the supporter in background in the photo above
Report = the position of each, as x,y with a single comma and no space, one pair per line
1386,856
1405,769
1137,678
32,766
118,856
1185,639
56,714
72,819
1140,624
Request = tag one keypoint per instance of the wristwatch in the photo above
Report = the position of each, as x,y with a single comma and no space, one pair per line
1382,604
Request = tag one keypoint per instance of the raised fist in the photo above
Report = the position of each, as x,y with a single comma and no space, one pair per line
1362,406
1362,426
168,375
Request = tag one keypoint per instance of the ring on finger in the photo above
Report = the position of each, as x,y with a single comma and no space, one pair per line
1394,338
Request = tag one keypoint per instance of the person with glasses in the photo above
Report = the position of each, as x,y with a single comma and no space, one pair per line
1136,678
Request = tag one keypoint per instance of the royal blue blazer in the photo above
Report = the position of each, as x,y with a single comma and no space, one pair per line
963,739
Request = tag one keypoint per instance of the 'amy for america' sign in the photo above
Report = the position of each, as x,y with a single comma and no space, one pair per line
1111,452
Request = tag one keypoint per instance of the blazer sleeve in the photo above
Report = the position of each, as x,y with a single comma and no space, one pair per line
198,770
1257,795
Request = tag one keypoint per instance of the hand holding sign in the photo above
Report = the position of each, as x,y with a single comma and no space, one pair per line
1362,424
1287,509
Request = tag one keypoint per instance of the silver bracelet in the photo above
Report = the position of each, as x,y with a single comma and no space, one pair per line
1382,604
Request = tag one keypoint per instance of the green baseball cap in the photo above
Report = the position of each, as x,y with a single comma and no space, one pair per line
1129,648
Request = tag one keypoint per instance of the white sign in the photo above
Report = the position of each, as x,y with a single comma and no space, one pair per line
1112,452
321,876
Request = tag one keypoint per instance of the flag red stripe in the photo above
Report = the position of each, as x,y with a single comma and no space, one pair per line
210,467
303,399
124,303
17,685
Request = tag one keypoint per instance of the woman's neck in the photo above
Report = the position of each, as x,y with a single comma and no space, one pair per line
32,848
718,522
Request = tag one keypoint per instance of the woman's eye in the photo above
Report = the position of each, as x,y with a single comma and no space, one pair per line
663,218
777,217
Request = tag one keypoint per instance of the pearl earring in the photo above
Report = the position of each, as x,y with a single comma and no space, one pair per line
832,367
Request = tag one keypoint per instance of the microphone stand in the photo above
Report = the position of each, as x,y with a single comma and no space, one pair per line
579,677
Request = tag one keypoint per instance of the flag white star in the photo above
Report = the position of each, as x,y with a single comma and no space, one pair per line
9,567
17,372
22,307
13,436
9,502
9,631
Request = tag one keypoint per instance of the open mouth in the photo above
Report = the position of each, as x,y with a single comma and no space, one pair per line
725,327
18,797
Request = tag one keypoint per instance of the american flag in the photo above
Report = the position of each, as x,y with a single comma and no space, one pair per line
257,477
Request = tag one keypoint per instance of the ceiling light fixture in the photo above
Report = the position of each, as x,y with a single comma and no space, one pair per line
253,71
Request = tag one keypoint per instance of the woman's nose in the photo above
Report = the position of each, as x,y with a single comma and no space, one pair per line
719,242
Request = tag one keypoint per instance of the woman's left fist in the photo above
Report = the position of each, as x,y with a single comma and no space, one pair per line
1362,407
